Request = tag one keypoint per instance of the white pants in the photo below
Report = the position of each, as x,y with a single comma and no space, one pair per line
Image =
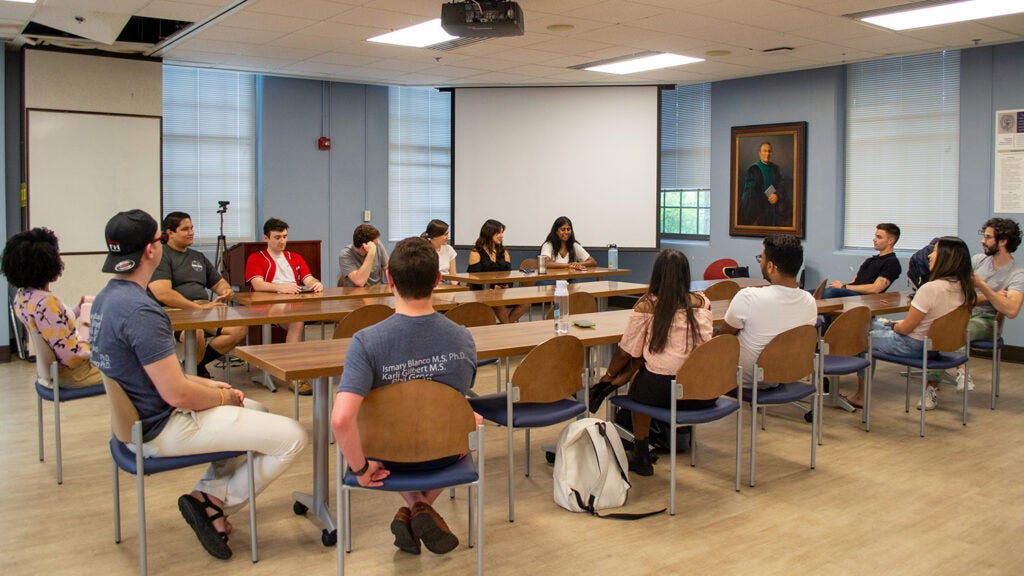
275,440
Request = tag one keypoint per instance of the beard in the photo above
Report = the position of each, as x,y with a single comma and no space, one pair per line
990,250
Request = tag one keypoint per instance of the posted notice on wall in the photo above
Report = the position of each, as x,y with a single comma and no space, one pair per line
1009,159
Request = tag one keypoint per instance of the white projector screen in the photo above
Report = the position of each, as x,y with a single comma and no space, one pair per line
525,156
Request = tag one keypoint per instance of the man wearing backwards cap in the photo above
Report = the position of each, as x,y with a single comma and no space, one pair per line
132,343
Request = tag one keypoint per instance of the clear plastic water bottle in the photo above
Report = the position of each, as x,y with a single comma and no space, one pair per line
613,257
561,307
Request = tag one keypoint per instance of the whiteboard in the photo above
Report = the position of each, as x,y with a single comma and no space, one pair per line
525,156
85,167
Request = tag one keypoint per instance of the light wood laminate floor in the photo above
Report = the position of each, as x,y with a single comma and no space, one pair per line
884,502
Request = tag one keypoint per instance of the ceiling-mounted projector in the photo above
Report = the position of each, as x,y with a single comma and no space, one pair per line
482,19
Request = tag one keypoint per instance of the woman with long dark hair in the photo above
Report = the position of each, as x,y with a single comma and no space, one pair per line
666,325
950,285
561,248
490,255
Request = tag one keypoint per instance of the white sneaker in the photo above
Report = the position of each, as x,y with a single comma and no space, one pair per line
960,382
931,398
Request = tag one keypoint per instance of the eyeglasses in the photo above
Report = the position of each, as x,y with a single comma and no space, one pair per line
161,238
981,233
758,258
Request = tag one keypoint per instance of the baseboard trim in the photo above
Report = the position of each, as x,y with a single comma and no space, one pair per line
5,353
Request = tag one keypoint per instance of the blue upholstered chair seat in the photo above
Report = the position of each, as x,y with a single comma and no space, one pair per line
781,394
986,344
840,365
46,393
936,360
125,459
458,473
493,407
722,408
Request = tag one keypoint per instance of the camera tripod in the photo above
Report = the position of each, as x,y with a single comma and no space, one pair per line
220,263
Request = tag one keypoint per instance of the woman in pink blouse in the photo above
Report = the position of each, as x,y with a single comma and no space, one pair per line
666,325
31,261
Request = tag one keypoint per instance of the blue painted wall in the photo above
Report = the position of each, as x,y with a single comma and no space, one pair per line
322,194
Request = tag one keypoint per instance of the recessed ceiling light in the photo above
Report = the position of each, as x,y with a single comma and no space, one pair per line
908,17
560,27
632,64
23,1
417,36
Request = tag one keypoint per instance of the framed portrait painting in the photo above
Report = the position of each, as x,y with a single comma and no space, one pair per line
769,163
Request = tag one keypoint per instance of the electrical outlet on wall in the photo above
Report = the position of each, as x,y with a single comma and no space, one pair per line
366,215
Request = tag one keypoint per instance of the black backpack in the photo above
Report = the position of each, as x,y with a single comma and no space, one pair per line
917,269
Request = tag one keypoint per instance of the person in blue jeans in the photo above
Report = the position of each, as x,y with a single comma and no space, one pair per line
950,286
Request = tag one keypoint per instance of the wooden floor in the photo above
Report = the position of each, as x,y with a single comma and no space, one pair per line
884,502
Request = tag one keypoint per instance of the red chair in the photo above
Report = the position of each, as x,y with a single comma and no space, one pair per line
716,270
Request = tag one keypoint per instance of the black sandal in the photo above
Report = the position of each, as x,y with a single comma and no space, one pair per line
195,513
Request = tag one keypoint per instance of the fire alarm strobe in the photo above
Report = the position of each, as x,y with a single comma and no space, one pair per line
324,143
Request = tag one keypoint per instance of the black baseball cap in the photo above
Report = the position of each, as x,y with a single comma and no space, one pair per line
128,234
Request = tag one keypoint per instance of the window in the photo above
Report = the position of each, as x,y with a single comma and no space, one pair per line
419,160
209,150
902,148
684,200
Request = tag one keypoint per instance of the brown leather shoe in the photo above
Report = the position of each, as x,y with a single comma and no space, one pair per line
304,388
401,527
431,529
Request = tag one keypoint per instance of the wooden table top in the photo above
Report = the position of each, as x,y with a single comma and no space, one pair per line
743,282
323,309
313,359
884,303
331,293
513,276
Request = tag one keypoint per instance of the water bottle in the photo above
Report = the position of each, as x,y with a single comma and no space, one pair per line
561,307
613,257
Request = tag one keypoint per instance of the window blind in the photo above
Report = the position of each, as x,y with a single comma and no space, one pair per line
419,159
902,148
209,127
685,200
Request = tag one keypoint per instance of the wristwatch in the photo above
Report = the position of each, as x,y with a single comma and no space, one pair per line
361,471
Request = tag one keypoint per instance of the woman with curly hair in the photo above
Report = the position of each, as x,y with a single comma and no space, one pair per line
31,261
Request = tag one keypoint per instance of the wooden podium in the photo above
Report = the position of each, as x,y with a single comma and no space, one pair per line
236,256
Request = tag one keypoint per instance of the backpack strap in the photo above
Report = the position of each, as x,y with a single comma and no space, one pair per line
599,436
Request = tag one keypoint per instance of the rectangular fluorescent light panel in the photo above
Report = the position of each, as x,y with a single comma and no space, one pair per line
417,36
644,63
945,14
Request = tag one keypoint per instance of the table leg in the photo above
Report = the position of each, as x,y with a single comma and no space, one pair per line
190,352
264,379
317,502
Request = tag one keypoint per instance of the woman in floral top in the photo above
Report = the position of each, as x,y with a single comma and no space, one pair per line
31,261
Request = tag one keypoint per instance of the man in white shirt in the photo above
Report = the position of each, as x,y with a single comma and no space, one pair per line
758,314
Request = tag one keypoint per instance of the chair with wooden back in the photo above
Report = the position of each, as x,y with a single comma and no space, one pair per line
444,426
48,388
127,431
541,392
710,372
723,290
789,358
579,303
846,349
819,292
472,314
941,351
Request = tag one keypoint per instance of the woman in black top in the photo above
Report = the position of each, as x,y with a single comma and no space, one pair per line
490,255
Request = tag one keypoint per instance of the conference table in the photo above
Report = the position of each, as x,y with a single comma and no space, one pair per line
289,308
320,360
516,276
331,293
